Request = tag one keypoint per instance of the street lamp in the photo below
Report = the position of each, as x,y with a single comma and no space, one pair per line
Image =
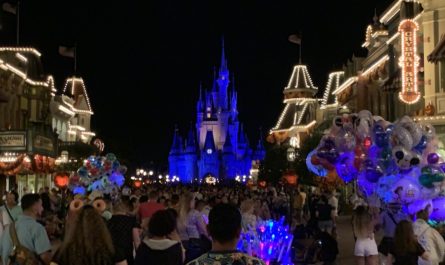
291,155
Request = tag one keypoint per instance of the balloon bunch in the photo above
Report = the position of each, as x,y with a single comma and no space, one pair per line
398,162
103,173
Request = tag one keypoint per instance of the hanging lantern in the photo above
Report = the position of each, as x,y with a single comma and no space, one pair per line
61,180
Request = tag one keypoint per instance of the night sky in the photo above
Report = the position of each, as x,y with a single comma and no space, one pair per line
143,60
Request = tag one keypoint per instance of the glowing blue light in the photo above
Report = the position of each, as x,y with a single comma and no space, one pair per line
270,241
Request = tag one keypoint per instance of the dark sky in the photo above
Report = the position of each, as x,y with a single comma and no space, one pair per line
142,61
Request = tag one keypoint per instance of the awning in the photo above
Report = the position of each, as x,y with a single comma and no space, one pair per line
439,51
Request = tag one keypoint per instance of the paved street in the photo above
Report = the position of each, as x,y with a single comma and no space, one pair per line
345,241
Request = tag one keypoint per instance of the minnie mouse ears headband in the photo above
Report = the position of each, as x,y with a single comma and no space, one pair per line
99,205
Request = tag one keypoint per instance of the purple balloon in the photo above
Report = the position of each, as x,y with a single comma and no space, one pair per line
432,158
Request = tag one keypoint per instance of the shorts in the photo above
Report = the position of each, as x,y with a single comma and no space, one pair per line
325,225
365,247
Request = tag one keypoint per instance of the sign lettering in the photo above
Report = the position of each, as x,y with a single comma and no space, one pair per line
409,61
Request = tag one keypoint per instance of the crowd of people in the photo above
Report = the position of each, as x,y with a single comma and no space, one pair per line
153,225
203,225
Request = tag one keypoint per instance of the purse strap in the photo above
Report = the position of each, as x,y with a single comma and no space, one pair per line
12,230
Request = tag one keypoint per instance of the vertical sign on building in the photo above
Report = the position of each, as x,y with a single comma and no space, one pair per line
409,61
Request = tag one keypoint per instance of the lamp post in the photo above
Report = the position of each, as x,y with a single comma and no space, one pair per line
291,177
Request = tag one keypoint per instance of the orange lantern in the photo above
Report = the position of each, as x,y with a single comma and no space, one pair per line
291,178
137,184
262,183
61,180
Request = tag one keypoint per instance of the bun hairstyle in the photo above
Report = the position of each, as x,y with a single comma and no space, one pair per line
98,204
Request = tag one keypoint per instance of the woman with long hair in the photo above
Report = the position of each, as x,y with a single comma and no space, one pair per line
406,249
191,228
88,242
365,249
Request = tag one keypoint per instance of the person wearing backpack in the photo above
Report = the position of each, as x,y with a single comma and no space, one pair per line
25,241
389,219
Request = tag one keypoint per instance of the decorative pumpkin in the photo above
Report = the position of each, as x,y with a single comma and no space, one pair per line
61,180
430,110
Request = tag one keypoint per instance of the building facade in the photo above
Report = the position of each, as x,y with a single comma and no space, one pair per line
217,146
38,123
28,144
403,72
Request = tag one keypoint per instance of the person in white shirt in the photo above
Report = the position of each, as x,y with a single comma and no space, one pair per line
429,238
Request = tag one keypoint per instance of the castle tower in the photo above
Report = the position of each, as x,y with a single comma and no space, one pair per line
176,157
298,114
229,158
190,157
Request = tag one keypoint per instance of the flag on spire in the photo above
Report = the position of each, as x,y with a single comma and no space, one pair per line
8,7
67,51
294,38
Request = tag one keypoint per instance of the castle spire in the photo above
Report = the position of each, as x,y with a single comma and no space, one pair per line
223,66
191,142
177,142
199,105
227,148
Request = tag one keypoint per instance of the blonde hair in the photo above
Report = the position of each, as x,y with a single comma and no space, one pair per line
184,207
247,205
361,222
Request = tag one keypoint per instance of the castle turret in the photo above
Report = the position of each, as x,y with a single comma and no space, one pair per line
176,157
190,157
191,146
229,158
176,147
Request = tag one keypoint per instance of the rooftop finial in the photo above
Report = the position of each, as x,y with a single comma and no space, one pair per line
375,18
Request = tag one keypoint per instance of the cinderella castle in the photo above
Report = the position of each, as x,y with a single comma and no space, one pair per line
217,148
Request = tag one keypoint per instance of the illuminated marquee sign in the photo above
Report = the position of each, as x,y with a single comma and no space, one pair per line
409,61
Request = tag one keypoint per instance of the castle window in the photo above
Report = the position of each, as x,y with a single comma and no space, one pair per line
209,151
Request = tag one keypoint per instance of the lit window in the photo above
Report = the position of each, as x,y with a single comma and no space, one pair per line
209,151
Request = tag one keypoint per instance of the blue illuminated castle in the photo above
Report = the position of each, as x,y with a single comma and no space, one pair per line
217,146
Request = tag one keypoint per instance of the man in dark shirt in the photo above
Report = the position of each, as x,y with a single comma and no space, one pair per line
225,228
324,215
